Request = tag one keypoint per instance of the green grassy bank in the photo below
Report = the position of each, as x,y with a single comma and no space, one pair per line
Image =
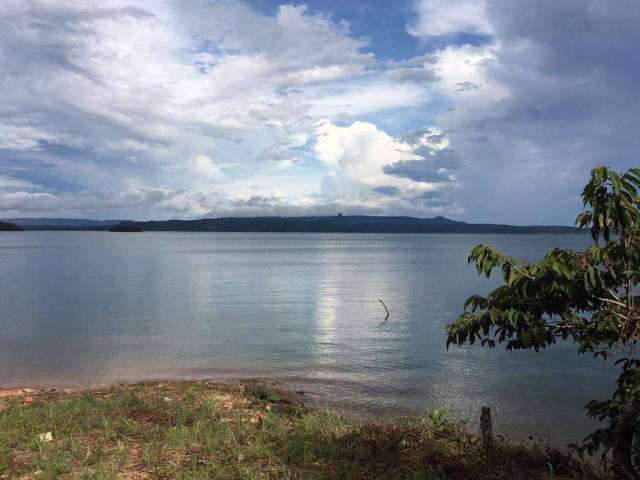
201,430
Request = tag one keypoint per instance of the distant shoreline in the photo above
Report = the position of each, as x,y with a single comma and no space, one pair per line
310,224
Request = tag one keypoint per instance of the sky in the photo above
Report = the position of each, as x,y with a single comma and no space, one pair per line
477,110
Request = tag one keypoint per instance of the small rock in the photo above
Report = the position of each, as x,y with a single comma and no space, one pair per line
45,437
288,397
167,399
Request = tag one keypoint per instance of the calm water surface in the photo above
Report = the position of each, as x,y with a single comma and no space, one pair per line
89,308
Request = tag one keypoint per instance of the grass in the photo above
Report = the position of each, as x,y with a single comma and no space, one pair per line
201,430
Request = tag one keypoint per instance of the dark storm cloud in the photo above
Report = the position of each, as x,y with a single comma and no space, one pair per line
417,69
569,37
571,70
388,191
465,86
436,164
417,170
37,173
435,198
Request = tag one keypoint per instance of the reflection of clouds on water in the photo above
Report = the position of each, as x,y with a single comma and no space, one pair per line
327,296
326,319
100,308
353,345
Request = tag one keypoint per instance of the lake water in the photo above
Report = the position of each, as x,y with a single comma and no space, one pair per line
90,308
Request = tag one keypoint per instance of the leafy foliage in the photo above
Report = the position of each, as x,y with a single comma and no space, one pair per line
588,297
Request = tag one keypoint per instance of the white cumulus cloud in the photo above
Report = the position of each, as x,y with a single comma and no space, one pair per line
445,17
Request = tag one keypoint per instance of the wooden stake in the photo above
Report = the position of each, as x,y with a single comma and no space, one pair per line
486,428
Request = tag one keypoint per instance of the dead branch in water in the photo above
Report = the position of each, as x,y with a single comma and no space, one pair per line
385,309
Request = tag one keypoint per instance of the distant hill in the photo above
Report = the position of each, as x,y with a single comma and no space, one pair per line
338,223
126,227
9,227
63,223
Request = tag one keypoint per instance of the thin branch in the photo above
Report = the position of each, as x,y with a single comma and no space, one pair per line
523,273
620,315
613,302
613,294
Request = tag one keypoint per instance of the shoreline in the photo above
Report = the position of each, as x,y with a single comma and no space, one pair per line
207,429
301,386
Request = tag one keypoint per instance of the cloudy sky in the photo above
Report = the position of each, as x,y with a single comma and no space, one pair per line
480,110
